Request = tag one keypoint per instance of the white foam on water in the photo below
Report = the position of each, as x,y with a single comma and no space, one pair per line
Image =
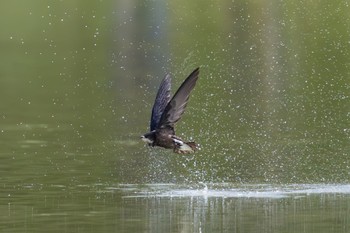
235,191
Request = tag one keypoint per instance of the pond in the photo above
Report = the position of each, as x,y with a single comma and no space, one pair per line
270,111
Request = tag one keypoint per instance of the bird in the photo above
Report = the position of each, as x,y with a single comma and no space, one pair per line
167,112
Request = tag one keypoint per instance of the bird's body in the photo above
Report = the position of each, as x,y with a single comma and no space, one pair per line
166,112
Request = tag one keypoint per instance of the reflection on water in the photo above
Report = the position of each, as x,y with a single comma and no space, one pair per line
231,208
176,208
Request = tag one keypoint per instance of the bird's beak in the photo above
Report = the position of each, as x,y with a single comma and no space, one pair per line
143,138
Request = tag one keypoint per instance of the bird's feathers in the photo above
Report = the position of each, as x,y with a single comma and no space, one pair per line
176,106
166,112
162,99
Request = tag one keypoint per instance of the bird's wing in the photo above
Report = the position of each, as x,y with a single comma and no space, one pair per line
162,99
176,106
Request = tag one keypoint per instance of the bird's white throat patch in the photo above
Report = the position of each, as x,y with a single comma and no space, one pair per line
147,140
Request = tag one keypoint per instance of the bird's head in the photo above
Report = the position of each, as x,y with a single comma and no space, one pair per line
148,138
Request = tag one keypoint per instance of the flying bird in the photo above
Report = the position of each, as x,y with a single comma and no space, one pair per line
166,112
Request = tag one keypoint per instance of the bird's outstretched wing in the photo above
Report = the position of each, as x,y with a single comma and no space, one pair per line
176,106
162,99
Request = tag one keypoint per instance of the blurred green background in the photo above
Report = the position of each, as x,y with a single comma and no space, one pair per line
272,103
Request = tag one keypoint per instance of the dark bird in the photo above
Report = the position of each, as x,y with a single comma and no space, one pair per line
166,112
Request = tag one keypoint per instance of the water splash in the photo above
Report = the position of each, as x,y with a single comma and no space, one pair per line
228,190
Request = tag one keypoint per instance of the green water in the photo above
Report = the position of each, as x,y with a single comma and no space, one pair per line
271,109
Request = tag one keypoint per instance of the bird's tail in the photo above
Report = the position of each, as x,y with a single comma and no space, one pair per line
186,148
